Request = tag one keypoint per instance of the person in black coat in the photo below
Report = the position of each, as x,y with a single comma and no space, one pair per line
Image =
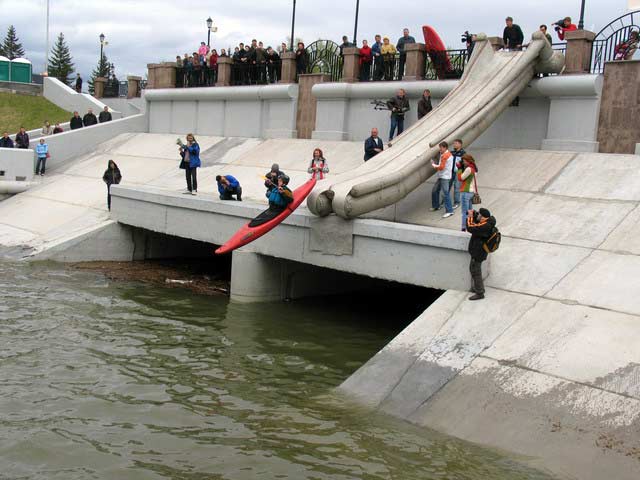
5,141
480,225
373,145
89,119
105,115
76,121
22,139
398,105
271,177
424,105
302,59
112,176
274,65
79,84
512,35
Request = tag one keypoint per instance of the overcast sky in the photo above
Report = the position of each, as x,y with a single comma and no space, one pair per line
144,31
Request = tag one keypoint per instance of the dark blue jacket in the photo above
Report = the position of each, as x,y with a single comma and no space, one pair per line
375,49
278,199
369,145
6,142
233,183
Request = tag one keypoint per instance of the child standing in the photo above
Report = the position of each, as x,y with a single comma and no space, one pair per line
42,152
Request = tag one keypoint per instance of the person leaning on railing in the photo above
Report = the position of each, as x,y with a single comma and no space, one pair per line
302,59
365,62
274,65
179,72
388,51
626,49
376,52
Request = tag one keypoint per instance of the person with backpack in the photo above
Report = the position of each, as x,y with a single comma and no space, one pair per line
482,227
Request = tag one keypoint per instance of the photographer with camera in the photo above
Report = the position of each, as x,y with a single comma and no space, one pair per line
563,26
481,225
399,105
470,40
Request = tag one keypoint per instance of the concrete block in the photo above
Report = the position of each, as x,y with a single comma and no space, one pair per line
210,118
183,117
243,119
624,239
603,280
255,278
160,117
17,164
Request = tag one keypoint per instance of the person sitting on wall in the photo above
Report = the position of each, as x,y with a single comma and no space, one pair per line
319,166
271,177
279,197
563,26
228,186
5,141
372,145
424,105
89,119
57,129
22,138
105,115
626,49
46,129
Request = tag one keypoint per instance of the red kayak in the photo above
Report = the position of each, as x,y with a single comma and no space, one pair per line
248,234
437,51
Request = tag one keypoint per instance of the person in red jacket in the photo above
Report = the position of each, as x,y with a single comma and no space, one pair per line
365,62
563,26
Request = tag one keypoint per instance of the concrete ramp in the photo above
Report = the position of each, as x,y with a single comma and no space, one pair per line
490,83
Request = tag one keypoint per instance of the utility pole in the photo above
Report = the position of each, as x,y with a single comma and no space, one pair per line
581,22
46,51
355,28
293,24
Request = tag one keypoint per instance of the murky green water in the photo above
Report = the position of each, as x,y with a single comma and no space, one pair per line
125,381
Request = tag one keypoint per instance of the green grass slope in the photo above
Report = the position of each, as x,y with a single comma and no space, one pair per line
28,111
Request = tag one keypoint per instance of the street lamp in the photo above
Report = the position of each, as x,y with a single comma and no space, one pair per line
355,28
581,22
46,51
293,23
210,28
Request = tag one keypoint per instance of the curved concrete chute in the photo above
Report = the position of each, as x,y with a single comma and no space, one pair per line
490,83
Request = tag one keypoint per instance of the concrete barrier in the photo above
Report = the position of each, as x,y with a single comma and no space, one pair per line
68,145
68,99
16,164
266,111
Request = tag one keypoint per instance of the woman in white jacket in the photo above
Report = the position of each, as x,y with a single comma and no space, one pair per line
319,166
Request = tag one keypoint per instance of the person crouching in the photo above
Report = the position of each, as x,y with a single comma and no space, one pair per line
228,186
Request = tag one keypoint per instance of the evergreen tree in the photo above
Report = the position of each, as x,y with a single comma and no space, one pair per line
102,70
11,47
60,61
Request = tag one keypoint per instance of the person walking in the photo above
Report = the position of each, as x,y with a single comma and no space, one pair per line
403,41
443,169
319,166
78,83
512,35
191,162
399,105
480,225
22,138
112,176
388,52
5,141
424,105
228,186
89,119
365,62
376,53
466,175
373,145
105,115
46,129
42,152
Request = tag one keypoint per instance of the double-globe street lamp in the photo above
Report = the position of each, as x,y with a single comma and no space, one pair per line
210,28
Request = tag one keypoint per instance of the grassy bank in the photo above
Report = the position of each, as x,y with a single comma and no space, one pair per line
28,111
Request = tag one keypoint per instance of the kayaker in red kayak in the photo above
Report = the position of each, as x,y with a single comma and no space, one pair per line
279,197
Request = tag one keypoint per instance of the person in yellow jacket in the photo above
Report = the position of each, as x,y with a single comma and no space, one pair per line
388,51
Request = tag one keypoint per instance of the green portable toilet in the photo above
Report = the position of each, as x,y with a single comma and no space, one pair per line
4,69
21,70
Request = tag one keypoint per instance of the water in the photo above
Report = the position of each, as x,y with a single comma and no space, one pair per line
126,381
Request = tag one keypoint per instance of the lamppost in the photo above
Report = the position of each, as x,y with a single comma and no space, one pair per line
581,22
210,28
102,44
355,28
293,24
46,52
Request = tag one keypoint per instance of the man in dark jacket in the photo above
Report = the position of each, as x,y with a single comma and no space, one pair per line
399,105
260,56
105,115
271,177
89,119
22,139
405,39
376,53
480,225
75,122
274,65
345,44
424,105
5,141
79,84
512,36
372,145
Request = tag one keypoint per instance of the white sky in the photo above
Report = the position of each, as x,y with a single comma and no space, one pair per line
148,31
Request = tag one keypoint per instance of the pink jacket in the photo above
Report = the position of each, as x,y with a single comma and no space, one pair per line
203,50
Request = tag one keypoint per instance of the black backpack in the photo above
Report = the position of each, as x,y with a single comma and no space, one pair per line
492,243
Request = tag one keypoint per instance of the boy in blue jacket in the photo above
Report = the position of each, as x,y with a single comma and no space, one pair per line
42,150
228,186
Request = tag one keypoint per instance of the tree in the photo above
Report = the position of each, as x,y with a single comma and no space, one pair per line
60,61
11,47
103,69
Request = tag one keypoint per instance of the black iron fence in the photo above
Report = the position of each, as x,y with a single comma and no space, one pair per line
612,42
112,89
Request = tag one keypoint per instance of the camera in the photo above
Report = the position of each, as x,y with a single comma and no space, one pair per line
558,25
467,37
